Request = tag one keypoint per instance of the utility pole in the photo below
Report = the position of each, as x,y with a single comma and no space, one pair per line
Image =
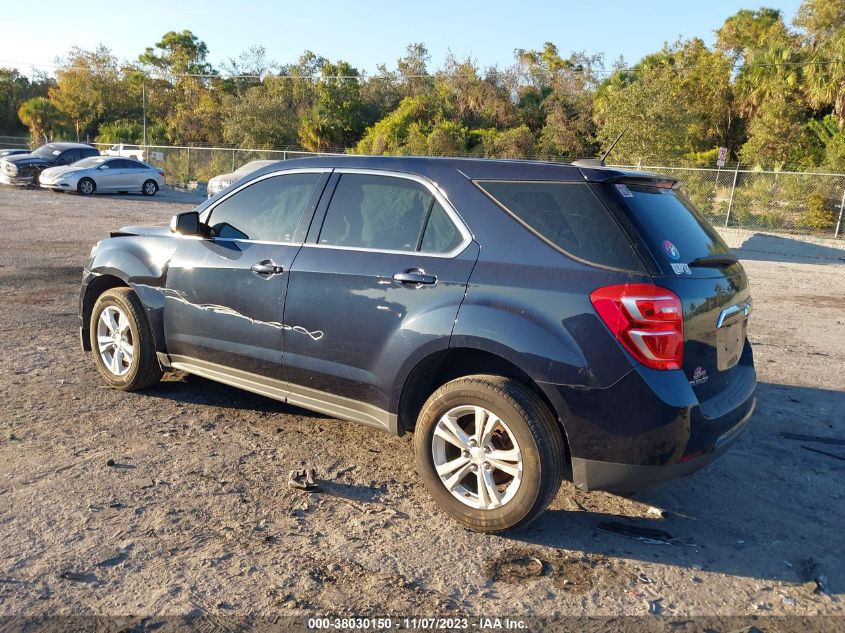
144,108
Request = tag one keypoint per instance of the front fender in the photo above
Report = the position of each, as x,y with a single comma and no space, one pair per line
138,262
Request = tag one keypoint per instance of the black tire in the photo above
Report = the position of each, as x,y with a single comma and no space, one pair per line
86,187
532,425
149,188
144,369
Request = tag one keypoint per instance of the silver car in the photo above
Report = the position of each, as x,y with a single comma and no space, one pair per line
104,174
221,181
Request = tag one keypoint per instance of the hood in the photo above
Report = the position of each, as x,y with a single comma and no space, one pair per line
57,172
26,159
161,230
231,177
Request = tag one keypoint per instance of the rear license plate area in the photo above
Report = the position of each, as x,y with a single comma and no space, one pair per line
729,343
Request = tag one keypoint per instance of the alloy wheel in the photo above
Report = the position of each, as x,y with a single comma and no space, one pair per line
114,340
477,457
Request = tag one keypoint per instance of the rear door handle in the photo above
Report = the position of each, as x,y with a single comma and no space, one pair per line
415,276
267,268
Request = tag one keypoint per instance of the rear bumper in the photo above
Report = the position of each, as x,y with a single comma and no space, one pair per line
589,474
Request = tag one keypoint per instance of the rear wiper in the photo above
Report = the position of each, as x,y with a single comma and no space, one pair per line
722,259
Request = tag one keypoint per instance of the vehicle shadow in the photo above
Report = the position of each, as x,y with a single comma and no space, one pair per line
192,389
769,508
774,248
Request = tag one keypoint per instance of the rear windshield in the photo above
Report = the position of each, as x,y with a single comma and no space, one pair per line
672,228
569,216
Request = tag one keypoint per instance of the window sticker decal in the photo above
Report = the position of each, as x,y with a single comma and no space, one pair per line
626,193
671,250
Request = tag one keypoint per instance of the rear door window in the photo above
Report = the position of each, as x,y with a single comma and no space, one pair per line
377,212
567,216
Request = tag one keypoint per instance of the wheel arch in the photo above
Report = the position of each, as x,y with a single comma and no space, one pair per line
97,286
445,365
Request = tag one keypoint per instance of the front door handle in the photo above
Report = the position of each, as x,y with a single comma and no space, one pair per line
267,268
415,276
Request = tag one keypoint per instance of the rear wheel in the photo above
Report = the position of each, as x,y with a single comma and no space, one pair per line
86,187
149,188
490,452
122,341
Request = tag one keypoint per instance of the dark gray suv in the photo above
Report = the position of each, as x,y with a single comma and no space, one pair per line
527,321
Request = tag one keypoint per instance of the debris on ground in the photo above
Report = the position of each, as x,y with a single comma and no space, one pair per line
110,463
513,567
304,479
812,576
800,437
650,536
654,606
821,452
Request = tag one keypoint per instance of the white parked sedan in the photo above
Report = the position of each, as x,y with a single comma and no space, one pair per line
104,174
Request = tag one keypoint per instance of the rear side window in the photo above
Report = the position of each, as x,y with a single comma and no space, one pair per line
387,213
568,216
674,231
268,210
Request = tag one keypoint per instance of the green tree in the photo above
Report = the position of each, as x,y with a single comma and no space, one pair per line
823,22
90,88
672,105
14,90
178,54
43,118
337,117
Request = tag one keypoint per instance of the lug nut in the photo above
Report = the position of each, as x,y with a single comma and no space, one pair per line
465,453
487,466
474,468
473,443
487,450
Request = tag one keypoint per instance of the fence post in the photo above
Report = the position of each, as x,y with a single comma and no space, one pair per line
839,221
284,155
233,159
188,170
731,201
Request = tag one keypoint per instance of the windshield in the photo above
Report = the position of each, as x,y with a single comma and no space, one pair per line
673,229
47,151
86,163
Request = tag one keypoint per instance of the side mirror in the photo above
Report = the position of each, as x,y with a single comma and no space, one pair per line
187,223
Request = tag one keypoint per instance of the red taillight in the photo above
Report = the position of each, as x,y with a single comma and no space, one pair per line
161,173
647,320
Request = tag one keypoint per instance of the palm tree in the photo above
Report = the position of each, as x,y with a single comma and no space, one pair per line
42,117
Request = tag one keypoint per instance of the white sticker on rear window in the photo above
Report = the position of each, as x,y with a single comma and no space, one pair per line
681,269
56,152
626,193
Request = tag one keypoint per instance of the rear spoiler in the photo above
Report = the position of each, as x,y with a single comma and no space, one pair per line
624,176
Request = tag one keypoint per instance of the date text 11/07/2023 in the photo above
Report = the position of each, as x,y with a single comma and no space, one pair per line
415,623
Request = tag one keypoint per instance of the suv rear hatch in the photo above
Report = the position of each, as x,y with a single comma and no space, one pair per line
693,261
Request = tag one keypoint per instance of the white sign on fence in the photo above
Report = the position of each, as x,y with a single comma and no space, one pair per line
157,155
723,154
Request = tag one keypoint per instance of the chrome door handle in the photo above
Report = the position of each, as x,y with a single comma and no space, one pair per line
415,276
267,268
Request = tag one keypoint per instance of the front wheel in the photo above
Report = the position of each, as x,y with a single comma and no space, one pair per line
86,187
122,341
149,188
490,452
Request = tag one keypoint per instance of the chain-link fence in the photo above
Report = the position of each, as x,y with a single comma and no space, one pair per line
781,202
784,202
184,165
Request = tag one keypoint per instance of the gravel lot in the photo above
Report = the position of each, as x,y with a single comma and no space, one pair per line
195,516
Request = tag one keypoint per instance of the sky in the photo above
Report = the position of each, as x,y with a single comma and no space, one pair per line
365,32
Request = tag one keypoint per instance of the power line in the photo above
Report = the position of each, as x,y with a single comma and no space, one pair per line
398,76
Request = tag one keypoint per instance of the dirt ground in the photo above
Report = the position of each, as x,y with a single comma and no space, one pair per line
195,515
